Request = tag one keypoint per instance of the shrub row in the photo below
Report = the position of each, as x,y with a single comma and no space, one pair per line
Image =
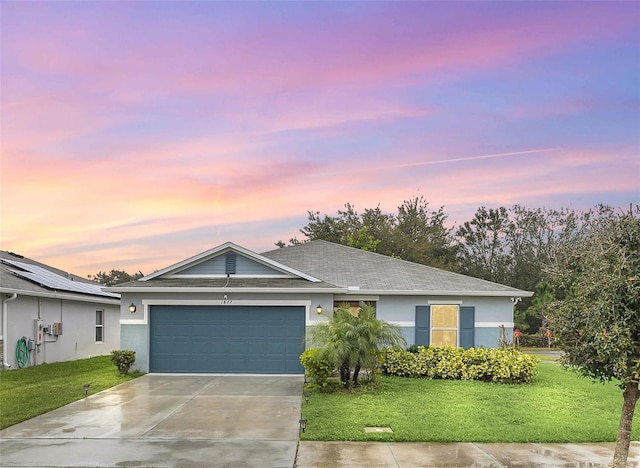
489,365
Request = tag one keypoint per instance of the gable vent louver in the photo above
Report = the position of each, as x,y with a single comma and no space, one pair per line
230,263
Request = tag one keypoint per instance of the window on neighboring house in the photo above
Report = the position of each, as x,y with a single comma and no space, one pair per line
99,325
354,306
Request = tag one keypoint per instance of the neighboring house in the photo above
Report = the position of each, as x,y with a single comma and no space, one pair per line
230,310
61,316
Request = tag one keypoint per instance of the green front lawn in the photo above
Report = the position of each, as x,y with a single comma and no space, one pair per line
558,406
28,392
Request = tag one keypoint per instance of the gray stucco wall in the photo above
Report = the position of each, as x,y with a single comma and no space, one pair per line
78,334
399,310
490,313
134,328
136,338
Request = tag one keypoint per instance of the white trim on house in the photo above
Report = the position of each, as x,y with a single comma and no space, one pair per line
223,290
403,324
178,275
146,303
445,302
355,297
406,292
59,295
494,324
344,292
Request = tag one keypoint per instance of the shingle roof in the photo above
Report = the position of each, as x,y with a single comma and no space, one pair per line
349,267
23,275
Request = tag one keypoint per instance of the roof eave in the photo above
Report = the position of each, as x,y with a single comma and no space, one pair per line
61,295
347,291
430,292
195,289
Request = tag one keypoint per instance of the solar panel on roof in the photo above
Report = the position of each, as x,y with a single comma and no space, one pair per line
51,280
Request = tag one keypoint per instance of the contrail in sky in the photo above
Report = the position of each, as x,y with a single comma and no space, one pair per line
473,158
442,161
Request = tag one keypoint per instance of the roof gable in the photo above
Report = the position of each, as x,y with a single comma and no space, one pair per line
214,264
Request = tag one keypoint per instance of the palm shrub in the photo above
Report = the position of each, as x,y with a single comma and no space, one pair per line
353,343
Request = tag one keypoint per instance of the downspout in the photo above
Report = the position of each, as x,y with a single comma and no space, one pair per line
4,328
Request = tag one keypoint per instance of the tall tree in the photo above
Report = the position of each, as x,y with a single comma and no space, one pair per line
422,236
114,277
597,323
415,234
483,252
333,228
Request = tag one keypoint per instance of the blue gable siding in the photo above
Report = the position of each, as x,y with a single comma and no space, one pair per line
218,266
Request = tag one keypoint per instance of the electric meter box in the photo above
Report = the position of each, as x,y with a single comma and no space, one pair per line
39,330
56,328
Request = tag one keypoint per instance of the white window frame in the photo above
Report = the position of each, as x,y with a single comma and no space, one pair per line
99,326
456,329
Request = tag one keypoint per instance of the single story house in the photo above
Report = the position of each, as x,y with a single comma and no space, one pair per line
52,316
231,310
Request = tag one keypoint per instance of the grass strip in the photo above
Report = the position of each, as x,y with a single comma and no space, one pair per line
28,392
558,406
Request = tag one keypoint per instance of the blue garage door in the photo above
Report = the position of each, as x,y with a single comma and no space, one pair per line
229,339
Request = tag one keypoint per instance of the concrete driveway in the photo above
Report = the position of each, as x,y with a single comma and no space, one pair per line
167,420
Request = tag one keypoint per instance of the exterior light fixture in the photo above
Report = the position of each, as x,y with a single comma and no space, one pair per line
132,308
306,397
86,388
303,424
319,309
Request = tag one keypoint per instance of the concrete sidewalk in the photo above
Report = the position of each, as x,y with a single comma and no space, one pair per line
406,455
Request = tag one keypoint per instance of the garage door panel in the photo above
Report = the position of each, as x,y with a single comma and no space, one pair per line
226,339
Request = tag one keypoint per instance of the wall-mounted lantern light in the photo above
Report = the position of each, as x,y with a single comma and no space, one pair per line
303,424
132,308
319,309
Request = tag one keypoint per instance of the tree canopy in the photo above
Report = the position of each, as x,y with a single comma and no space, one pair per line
597,322
504,245
114,277
416,233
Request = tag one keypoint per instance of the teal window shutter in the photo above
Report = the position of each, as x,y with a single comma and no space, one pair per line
467,326
423,325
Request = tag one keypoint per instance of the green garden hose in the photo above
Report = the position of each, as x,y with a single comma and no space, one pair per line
22,353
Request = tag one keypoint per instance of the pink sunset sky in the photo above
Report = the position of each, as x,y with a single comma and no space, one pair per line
137,134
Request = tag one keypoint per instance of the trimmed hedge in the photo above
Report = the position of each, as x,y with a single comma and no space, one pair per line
488,365
123,359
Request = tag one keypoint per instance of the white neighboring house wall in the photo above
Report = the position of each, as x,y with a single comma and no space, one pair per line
78,318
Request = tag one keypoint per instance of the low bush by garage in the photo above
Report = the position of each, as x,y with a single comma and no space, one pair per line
488,365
